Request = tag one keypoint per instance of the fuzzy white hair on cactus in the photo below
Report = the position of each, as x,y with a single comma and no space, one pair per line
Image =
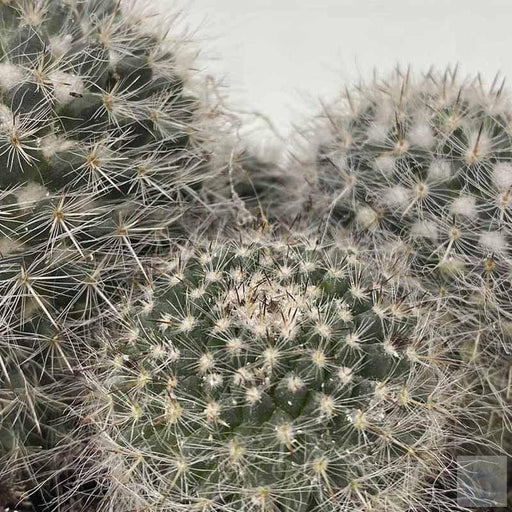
421,135
439,170
502,176
465,206
385,164
494,241
425,229
10,75
396,196
31,193
66,86
367,218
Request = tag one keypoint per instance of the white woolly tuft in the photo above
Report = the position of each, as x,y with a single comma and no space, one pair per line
439,170
8,246
10,75
6,118
367,218
396,196
421,134
114,57
465,206
378,132
65,85
452,266
52,144
502,176
494,241
479,146
31,193
425,229
60,45
385,164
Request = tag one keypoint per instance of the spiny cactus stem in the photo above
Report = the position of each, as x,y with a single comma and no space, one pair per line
56,344
474,153
59,216
35,416
107,300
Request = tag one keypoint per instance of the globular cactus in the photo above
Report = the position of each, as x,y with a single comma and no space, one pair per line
271,374
101,142
104,142
423,165
428,160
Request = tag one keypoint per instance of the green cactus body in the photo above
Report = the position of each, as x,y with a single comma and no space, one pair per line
429,162
93,112
423,165
270,375
103,147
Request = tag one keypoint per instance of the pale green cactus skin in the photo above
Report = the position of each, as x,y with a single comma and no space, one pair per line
269,374
103,147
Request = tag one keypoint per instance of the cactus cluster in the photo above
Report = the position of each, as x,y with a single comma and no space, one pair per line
270,374
333,356
101,143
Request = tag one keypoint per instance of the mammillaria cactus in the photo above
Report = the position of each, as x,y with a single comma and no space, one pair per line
425,164
97,131
270,374
428,160
103,145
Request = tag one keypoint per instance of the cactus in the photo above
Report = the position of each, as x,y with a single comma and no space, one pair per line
104,144
100,137
427,161
423,166
270,374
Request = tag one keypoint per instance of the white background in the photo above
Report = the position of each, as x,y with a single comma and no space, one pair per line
280,56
